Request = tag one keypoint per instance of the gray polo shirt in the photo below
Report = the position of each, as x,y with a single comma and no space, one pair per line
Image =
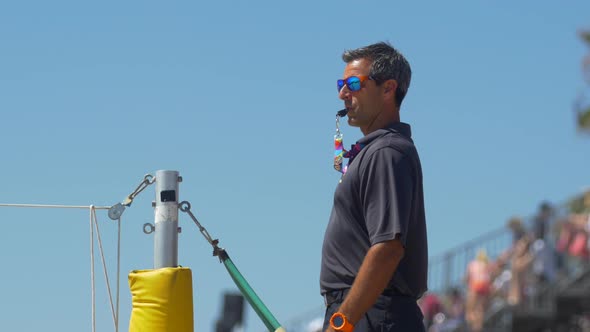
380,196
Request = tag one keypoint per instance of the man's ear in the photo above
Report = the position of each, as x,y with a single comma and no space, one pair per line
389,86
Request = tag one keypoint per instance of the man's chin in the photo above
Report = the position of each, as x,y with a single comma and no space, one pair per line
352,121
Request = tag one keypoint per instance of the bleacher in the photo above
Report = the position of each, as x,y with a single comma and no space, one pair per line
559,304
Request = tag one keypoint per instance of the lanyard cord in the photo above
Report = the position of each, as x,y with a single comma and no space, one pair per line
338,145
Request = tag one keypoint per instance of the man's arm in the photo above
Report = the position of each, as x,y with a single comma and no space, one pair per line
375,273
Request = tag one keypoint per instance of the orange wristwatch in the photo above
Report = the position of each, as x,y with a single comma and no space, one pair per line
339,322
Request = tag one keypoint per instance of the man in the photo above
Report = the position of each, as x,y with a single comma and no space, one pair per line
542,221
374,256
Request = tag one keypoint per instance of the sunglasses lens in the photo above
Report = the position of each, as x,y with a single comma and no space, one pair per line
354,83
340,85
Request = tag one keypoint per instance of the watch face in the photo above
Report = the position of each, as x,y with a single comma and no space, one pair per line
338,321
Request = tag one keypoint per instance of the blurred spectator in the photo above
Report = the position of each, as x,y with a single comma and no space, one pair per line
516,226
542,220
479,282
578,238
501,284
581,204
455,309
544,265
572,242
430,305
543,268
564,231
521,261
452,315
544,257
456,304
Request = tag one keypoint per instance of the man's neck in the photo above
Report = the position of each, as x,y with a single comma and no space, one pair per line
381,121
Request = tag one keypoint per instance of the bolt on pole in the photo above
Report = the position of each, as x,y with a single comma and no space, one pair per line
166,219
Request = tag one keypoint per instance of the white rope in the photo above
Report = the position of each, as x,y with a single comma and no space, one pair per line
106,275
91,207
93,224
118,269
92,269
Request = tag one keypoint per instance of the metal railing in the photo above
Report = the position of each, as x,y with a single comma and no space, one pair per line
448,270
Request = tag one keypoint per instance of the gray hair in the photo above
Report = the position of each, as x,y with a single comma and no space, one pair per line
388,64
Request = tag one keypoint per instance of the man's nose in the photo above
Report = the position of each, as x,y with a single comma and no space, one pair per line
344,93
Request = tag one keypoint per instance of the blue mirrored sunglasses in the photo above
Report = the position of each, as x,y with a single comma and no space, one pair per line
354,83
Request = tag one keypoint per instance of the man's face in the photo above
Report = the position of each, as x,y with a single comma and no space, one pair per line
364,105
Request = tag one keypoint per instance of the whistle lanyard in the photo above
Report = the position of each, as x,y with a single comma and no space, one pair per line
339,152
339,149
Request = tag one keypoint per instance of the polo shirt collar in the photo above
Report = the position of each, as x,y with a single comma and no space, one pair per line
396,127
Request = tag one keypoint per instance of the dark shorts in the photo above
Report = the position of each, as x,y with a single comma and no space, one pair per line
390,313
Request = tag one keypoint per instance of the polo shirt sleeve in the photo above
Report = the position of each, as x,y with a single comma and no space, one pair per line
386,190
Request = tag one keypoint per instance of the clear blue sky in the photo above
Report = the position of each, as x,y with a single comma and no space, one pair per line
240,98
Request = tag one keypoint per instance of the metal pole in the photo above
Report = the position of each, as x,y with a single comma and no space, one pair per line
166,219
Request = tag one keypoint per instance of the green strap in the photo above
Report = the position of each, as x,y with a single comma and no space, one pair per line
265,315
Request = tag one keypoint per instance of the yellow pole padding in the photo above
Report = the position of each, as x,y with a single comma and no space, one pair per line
162,300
